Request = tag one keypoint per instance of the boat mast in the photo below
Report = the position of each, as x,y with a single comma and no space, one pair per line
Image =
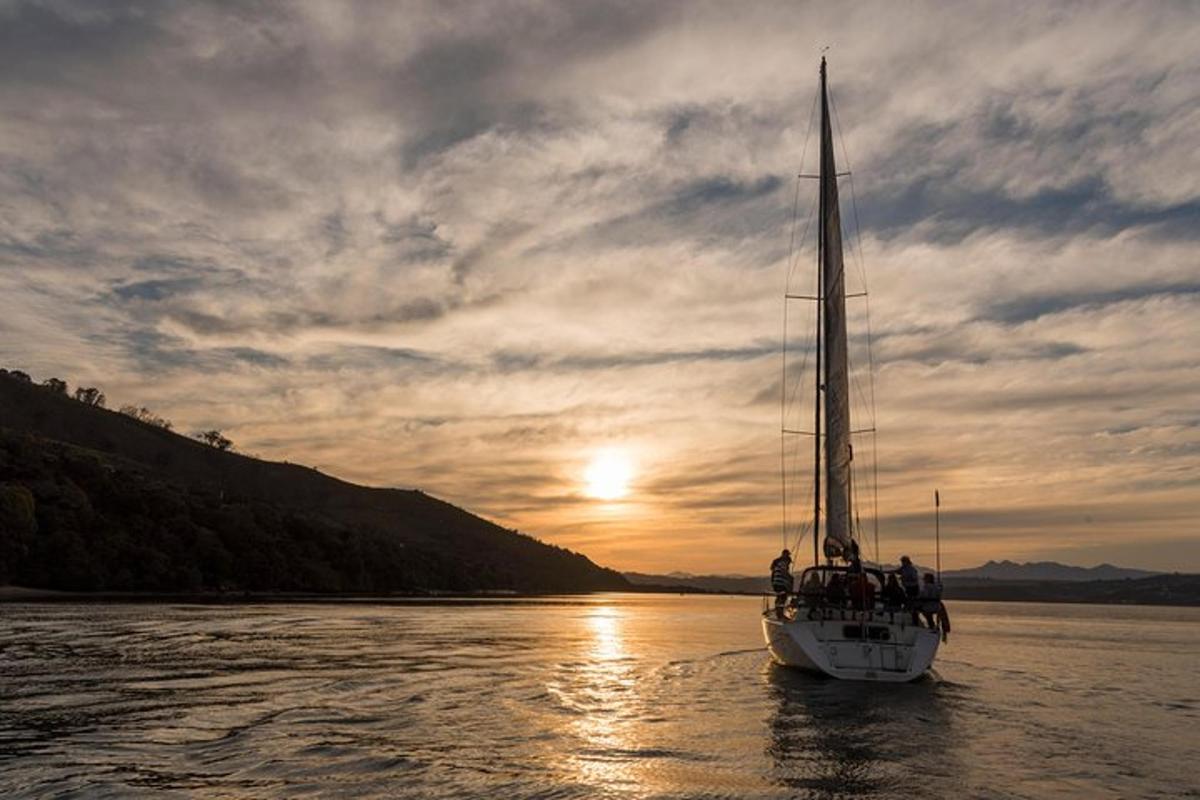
820,379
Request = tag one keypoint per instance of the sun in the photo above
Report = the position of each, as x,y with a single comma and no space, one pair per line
608,476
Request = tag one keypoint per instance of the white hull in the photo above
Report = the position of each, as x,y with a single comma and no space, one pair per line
870,646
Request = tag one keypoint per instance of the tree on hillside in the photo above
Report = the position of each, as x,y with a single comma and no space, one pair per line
90,396
143,414
18,524
19,375
55,385
214,438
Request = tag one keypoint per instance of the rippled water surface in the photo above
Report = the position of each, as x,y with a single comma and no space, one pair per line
603,696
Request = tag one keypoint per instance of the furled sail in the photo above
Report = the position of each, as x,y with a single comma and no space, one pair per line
837,378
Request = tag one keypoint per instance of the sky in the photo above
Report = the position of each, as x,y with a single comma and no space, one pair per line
475,247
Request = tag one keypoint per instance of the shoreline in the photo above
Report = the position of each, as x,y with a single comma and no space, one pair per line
23,594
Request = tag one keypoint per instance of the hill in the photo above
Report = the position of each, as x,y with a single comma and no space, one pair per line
95,500
1162,590
1045,571
720,584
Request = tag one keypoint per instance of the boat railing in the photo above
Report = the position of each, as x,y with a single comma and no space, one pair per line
799,605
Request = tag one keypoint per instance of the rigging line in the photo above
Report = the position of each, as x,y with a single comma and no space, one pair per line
793,481
856,482
867,548
808,342
795,392
789,393
802,527
862,403
804,530
783,381
856,240
856,381
874,410
792,239
796,432
875,492
849,296
796,445
794,256
783,387
837,120
794,253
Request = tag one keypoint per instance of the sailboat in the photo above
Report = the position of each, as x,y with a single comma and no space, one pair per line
835,625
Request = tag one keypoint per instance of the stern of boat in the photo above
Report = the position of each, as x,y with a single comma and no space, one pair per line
851,645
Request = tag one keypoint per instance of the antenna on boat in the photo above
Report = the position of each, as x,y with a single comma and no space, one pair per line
937,532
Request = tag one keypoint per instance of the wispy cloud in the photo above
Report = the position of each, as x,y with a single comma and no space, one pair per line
465,246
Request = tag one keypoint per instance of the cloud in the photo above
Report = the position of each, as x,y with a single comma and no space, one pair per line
955,212
580,362
464,246
1029,308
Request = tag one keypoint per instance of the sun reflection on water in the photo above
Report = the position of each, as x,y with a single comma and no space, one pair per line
607,696
605,624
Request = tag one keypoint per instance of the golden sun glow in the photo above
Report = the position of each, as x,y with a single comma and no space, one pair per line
608,476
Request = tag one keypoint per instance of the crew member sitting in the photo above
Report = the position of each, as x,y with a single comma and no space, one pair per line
813,589
835,591
781,581
893,595
862,591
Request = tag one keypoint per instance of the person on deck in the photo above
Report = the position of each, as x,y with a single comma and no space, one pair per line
932,607
893,594
853,557
928,598
910,579
835,591
813,589
781,581
862,591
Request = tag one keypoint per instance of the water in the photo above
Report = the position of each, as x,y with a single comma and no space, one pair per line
621,696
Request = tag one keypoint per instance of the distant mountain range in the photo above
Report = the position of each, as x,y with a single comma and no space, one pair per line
725,584
1172,589
1045,571
93,500
1126,587
991,571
